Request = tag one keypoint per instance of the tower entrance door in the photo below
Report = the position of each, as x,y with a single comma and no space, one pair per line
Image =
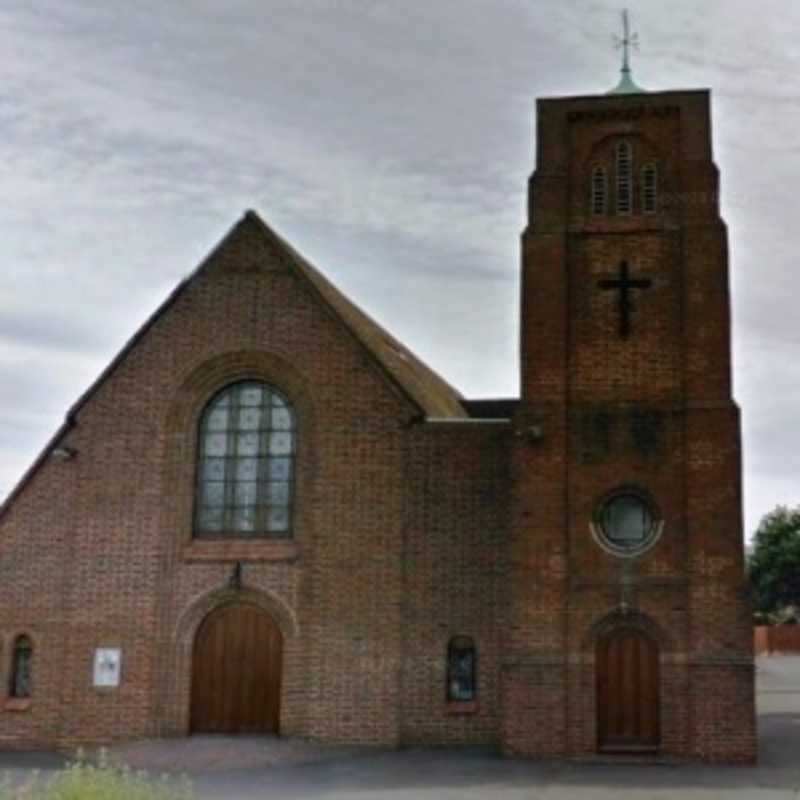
627,667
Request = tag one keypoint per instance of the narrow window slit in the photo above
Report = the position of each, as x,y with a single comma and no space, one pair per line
461,685
21,658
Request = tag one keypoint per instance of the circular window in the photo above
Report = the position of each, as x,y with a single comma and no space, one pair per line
626,523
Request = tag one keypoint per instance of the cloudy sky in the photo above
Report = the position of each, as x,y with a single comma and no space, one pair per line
388,141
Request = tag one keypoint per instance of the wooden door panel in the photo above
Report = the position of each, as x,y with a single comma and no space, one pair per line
627,665
236,672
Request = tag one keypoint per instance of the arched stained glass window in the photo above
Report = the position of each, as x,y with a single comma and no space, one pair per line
649,189
21,658
245,468
624,182
599,191
461,684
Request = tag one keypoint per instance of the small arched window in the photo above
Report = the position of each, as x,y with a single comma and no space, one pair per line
599,191
624,182
461,684
245,468
649,189
21,658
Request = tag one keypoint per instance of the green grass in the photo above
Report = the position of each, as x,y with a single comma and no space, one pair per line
81,780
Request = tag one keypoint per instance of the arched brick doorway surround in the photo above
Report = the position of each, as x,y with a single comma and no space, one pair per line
173,697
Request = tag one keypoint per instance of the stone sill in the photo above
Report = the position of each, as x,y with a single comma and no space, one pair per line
232,550
17,704
461,707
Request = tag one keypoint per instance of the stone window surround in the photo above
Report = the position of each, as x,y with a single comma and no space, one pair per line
656,528
191,398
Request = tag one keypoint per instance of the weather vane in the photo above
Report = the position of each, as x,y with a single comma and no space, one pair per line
625,42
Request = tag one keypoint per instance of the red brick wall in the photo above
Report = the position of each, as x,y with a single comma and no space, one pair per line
454,562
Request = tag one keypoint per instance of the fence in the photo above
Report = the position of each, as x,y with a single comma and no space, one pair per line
777,639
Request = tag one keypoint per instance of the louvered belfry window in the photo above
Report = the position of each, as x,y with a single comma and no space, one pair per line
649,189
624,182
599,191
245,468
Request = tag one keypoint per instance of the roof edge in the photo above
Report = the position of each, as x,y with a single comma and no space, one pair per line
649,96
70,418
304,266
300,263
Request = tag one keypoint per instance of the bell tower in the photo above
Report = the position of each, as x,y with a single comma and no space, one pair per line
629,625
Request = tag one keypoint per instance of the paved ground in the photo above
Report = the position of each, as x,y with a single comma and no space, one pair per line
198,754
257,767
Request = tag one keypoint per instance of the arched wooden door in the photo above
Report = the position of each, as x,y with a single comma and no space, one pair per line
628,702
236,673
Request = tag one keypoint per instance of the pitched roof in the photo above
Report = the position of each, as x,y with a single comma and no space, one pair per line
429,392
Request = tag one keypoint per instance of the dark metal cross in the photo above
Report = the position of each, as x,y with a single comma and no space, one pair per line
624,283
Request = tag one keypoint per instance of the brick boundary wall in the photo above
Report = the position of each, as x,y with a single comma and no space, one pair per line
776,639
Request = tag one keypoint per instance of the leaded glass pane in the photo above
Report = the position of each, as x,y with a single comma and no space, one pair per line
278,518
211,518
218,419
279,469
245,494
280,444
281,419
246,453
249,419
213,469
213,494
277,494
251,395
247,444
216,444
244,519
246,469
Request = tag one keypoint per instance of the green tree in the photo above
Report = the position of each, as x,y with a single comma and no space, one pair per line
774,564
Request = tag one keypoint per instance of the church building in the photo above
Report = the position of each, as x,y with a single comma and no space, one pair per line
267,515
